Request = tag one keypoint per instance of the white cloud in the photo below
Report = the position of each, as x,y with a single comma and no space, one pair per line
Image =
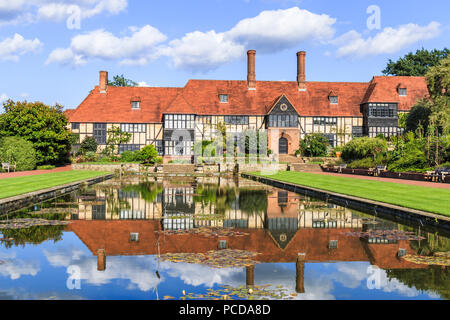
12,48
276,30
100,44
21,11
56,11
269,32
199,51
390,40
15,268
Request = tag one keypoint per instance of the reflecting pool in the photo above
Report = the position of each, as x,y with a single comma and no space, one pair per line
213,238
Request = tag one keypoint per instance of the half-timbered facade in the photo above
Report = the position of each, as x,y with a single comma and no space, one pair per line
174,119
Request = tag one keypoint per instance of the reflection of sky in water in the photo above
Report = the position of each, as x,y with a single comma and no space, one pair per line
39,272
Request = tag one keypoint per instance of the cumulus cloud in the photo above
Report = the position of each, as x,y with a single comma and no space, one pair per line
100,44
55,11
15,268
202,51
21,11
12,48
389,40
198,51
276,30
271,31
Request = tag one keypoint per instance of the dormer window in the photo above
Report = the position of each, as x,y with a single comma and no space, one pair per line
333,99
223,98
135,105
402,92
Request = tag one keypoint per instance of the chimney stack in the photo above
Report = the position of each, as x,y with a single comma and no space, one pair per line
251,77
301,78
103,85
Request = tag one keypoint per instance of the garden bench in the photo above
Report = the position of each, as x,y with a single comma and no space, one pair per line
341,166
438,175
441,174
379,169
8,166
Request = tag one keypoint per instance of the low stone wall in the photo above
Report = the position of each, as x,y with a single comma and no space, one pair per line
28,199
178,169
370,206
127,167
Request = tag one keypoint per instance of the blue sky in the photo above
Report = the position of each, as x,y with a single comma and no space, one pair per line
46,55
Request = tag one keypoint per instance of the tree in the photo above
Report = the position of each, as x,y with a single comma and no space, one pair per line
419,117
44,126
16,150
416,64
121,81
89,144
115,138
314,145
148,154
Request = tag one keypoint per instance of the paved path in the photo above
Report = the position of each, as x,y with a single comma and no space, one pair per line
401,181
34,172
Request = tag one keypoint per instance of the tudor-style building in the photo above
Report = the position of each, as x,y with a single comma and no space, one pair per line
286,110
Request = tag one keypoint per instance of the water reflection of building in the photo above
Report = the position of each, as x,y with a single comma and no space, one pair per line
280,225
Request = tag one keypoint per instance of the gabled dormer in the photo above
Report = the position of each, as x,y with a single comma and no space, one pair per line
282,114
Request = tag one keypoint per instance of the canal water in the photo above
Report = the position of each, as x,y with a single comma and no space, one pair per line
213,238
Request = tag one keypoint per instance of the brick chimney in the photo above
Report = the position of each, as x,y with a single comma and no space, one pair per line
301,78
103,85
251,77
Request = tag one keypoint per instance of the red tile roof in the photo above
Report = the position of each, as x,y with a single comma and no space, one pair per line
202,97
385,89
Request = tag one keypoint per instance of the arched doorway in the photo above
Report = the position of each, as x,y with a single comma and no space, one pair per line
283,146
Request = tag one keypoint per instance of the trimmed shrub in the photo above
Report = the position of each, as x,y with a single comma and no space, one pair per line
129,156
148,154
89,144
314,145
18,150
361,148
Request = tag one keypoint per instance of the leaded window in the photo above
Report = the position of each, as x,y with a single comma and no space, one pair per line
325,121
179,148
236,120
333,99
332,139
129,147
179,121
223,98
402,92
382,110
133,127
283,121
75,126
100,133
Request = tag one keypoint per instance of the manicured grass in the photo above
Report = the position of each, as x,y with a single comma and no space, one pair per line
428,199
10,187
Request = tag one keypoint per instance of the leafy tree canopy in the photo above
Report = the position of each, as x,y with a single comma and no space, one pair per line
44,126
416,64
314,145
121,81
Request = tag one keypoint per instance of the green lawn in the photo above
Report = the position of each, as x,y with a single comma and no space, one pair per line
429,199
10,187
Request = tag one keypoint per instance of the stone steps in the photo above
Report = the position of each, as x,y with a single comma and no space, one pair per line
287,158
179,168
